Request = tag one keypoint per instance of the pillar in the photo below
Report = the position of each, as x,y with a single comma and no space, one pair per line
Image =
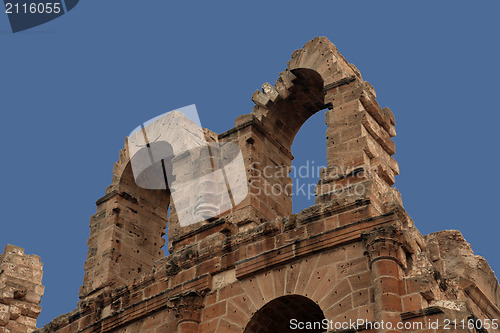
385,248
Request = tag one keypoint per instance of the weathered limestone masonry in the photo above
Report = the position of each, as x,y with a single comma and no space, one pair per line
354,255
20,290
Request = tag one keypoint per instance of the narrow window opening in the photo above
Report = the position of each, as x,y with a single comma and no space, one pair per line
309,151
165,237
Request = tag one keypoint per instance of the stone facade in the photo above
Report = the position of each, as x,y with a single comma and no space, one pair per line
353,256
20,290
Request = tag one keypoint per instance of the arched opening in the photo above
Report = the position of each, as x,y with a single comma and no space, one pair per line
146,222
126,231
155,177
306,98
283,119
293,313
309,151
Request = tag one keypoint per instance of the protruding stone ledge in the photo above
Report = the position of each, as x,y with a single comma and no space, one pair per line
301,248
340,82
432,310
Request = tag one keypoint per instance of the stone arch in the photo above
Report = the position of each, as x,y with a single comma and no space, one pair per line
156,201
359,132
300,91
285,117
126,233
332,280
280,313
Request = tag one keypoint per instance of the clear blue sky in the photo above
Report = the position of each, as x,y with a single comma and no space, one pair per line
72,89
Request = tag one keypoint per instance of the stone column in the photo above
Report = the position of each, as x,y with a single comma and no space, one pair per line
20,290
384,246
359,146
188,308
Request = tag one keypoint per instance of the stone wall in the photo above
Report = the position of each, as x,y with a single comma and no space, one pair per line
20,290
353,256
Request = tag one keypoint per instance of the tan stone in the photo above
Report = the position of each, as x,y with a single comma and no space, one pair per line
256,266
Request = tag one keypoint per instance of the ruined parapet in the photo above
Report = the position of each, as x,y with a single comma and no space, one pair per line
359,134
125,233
346,258
464,276
20,290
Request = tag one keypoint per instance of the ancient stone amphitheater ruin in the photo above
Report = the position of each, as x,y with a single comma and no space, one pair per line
354,256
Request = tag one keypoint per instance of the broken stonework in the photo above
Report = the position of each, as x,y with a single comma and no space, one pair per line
352,256
20,290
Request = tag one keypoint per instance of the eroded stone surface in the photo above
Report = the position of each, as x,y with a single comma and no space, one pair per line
20,290
351,256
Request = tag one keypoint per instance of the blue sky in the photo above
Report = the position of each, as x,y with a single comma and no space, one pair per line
72,89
